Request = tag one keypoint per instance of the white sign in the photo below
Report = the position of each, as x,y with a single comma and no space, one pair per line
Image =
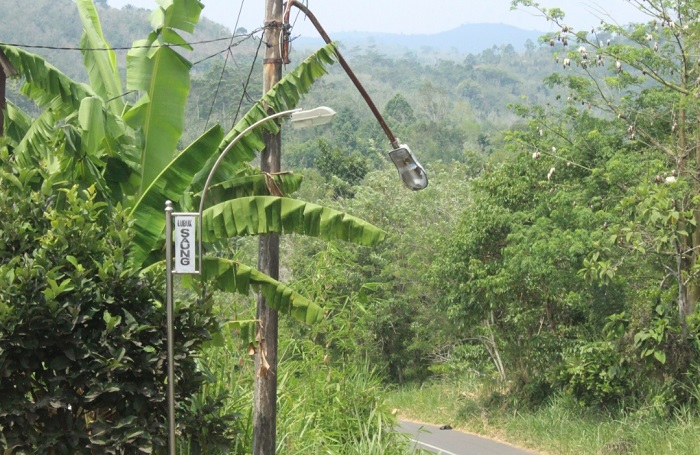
185,243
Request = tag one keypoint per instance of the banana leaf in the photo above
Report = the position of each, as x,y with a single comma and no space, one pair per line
101,65
149,211
285,95
156,69
45,84
232,276
267,214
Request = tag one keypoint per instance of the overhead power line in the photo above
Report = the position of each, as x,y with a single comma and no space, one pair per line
124,48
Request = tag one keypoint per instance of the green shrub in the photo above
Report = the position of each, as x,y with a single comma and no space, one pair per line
82,334
595,373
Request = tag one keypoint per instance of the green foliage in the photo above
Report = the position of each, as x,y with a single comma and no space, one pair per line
568,261
82,347
102,66
158,71
399,109
596,374
266,214
136,157
346,412
111,153
344,170
377,301
232,277
509,274
188,171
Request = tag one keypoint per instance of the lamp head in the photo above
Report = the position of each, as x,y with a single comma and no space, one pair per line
312,117
410,170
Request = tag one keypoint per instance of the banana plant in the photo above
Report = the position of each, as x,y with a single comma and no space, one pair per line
88,134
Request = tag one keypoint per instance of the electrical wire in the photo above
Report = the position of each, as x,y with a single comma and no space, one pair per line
227,50
287,32
245,95
94,49
223,68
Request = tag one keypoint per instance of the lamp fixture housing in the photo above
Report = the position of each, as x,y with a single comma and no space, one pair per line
410,170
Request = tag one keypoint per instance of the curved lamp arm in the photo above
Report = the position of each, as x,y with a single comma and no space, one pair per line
392,139
223,154
410,170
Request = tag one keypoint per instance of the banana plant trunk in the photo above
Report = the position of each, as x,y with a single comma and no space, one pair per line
6,70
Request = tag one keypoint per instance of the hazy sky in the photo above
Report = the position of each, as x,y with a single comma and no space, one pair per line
412,16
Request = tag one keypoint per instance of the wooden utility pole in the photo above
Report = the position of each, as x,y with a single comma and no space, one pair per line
6,70
265,391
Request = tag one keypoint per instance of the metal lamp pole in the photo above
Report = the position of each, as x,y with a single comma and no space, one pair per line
169,323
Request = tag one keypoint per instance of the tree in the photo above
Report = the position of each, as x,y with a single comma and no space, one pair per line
98,146
399,109
644,75
379,305
574,252
508,276
344,170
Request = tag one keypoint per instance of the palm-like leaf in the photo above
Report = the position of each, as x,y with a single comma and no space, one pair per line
62,100
99,133
256,184
35,145
232,276
102,65
267,214
19,123
45,84
156,69
148,213
188,167
283,96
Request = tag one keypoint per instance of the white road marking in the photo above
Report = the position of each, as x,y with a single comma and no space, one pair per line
433,447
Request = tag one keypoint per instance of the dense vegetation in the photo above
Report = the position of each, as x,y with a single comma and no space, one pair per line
553,258
82,356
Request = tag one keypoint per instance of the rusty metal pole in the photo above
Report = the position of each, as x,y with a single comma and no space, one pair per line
265,389
351,74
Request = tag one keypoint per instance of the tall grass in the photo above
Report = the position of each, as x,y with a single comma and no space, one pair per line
322,408
332,409
560,426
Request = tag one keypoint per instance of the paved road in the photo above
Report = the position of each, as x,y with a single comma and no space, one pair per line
454,442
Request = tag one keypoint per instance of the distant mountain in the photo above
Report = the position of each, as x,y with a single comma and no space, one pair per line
466,39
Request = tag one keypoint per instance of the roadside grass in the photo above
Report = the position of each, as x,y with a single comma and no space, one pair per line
560,426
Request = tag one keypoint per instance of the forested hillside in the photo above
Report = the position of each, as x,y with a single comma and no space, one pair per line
553,258
55,24
463,100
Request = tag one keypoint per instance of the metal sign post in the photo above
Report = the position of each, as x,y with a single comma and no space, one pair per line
184,262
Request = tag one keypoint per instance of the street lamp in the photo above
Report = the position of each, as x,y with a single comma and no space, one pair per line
410,170
184,262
